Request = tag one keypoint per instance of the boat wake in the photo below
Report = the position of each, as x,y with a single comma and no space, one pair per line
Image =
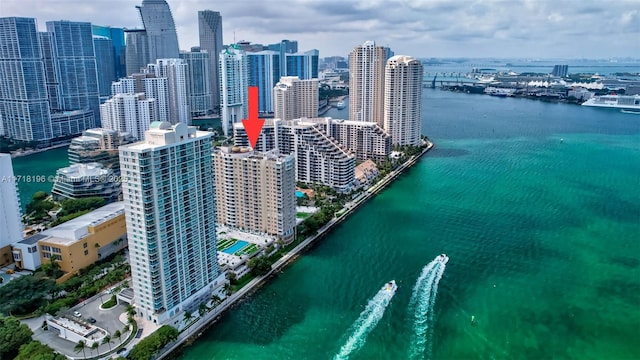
422,305
368,320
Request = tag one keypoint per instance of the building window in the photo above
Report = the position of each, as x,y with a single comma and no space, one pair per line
86,252
84,245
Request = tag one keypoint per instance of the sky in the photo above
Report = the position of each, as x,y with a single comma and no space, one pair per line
594,29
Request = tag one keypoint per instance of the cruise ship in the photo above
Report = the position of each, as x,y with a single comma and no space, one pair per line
623,102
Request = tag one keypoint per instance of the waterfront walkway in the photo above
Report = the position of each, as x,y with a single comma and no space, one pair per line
208,319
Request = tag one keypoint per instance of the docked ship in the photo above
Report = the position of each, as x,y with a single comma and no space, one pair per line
390,286
443,258
340,105
623,102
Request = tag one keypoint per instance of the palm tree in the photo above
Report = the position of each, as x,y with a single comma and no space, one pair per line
117,334
94,346
202,309
107,340
187,316
80,346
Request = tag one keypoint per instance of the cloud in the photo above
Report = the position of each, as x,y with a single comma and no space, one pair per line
422,28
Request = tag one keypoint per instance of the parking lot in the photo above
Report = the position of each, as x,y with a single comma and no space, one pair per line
105,319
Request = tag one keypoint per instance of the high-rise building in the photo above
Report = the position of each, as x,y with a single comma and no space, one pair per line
199,76
294,98
160,29
256,191
80,181
156,88
176,71
75,66
303,65
105,62
560,70
130,112
10,217
137,50
117,39
319,158
71,122
234,85
284,47
24,106
210,31
50,71
99,145
170,212
403,100
366,83
264,72
365,139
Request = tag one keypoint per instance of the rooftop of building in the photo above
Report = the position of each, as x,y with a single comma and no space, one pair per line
83,170
163,133
32,239
74,230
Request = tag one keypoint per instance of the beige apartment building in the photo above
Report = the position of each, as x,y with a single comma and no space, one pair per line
403,100
256,191
366,83
294,98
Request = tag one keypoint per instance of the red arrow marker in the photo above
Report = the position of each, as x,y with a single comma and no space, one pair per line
253,125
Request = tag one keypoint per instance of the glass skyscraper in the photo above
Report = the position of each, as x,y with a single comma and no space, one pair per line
105,61
199,75
160,28
117,39
264,72
233,87
24,105
303,65
210,31
75,66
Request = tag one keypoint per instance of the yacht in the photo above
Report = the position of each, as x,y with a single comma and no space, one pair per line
625,102
390,286
443,258
340,105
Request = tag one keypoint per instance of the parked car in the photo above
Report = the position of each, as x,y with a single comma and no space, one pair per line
77,314
91,320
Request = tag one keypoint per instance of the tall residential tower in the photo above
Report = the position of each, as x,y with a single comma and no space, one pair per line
234,80
170,209
366,83
403,100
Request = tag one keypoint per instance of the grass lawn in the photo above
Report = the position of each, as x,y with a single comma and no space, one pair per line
225,243
249,249
302,215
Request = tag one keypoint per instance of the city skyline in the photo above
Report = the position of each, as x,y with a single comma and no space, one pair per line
520,29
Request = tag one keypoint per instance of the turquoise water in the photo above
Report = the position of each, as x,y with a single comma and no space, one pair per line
235,247
536,204
299,194
36,167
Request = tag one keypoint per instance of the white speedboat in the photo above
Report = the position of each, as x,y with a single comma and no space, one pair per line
443,258
340,105
625,102
390,286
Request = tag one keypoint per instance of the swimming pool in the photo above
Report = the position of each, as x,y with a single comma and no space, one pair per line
235,247
299,194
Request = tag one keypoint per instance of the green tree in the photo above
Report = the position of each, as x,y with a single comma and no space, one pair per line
202,309
94,346
36,350
80,346
153,343
259,265
13,334
117,334
39,195
187,317
25,294
107,340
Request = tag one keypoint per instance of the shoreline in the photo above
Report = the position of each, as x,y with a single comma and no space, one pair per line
203,323
31,152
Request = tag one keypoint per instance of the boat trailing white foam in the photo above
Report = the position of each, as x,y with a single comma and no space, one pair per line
367,320
422,306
